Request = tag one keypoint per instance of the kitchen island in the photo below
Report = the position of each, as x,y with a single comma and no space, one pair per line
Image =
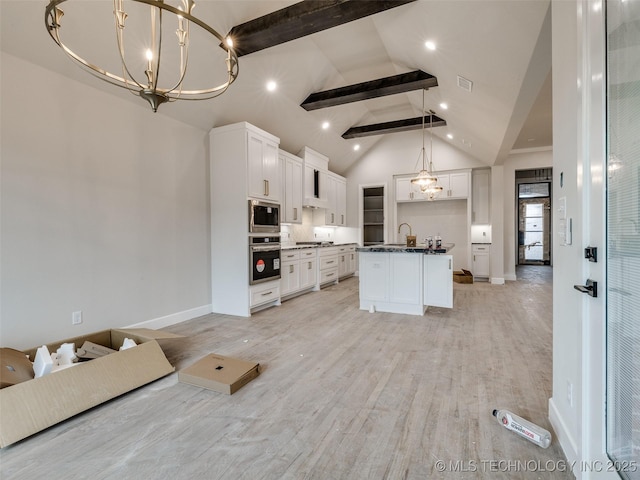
401,279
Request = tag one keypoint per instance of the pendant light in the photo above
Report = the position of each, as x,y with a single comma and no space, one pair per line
425,180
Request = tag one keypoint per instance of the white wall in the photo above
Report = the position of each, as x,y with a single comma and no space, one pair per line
524,160
104,210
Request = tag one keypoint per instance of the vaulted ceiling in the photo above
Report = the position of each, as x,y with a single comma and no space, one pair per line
503,47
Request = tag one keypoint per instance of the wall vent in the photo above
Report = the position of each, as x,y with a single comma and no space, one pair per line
465,84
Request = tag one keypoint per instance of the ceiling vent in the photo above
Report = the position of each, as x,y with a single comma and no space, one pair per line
465,84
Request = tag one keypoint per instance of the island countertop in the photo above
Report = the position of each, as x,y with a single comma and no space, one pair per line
402,248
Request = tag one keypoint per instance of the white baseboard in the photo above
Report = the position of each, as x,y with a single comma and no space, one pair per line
174,318
497,281
566,440
510,276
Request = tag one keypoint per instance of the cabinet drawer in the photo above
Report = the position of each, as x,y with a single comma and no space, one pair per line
481,249
328,262
308,253
264,294
289,255
328,251
329,275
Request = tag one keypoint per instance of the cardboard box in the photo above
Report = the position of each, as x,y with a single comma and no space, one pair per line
36,404
222,374
464,276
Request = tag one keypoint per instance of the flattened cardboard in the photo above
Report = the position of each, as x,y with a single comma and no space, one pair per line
34,405
219,373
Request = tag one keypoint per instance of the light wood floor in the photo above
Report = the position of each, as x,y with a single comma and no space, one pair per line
343,394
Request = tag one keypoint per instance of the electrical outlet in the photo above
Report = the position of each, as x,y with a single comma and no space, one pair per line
76,318
570,393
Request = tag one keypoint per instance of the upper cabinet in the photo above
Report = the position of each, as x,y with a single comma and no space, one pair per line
263,174
292,176
480,188
336,211
455,185
316,171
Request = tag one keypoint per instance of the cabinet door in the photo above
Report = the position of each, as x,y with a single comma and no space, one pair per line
263,168
256,183
374,277
289,278
308,272
331,192
481,261
341,202
405,191
458,185
343,264
292,190
405,270
480,185
271,170
438,280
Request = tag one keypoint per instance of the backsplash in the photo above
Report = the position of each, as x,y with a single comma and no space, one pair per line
308,232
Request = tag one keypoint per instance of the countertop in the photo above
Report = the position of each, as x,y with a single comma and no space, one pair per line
321,245
402,248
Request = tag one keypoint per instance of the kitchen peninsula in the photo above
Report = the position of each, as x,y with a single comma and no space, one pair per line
401,279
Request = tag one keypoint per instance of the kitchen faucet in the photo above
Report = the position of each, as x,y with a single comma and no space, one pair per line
411,239
400,226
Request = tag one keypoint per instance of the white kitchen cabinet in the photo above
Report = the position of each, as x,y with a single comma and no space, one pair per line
438,280
481,260
346,260
308,268
404,270
292,175
480,195
289,271
374,280
316,170
406,192
454,185
336,211
263,179
234,151
341,201
328,265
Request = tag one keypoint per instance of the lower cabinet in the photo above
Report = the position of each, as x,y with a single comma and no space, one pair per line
346,260
481,260
264,293
308,268
328,270
289,272
438,280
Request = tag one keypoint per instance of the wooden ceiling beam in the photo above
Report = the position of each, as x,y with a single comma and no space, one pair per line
393,127
302,19
404,82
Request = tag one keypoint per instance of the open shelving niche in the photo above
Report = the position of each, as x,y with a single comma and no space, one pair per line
373,215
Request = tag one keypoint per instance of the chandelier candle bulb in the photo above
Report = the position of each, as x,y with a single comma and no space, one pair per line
524,428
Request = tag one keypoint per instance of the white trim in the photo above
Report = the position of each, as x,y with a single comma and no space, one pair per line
174,318
531,150
497,281
510,277
566,441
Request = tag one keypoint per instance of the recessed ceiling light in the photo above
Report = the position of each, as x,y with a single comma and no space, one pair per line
271,85
444,106
449,136
430,45
325,125
356,147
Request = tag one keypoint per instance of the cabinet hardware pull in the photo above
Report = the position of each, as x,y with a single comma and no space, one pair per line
290,268
267,293
329,262
309,267
449,264
332,218
295,213
266,187
342,221
330,274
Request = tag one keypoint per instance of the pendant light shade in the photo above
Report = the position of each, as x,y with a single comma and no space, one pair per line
425,180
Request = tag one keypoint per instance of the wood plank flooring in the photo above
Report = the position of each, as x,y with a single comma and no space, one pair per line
343,394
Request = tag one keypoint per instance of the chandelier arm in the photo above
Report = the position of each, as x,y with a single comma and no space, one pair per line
232,58
184,61
117,5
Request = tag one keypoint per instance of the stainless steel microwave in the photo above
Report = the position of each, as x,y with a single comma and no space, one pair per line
264,217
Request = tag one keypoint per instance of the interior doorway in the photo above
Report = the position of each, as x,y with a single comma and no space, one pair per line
534,216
